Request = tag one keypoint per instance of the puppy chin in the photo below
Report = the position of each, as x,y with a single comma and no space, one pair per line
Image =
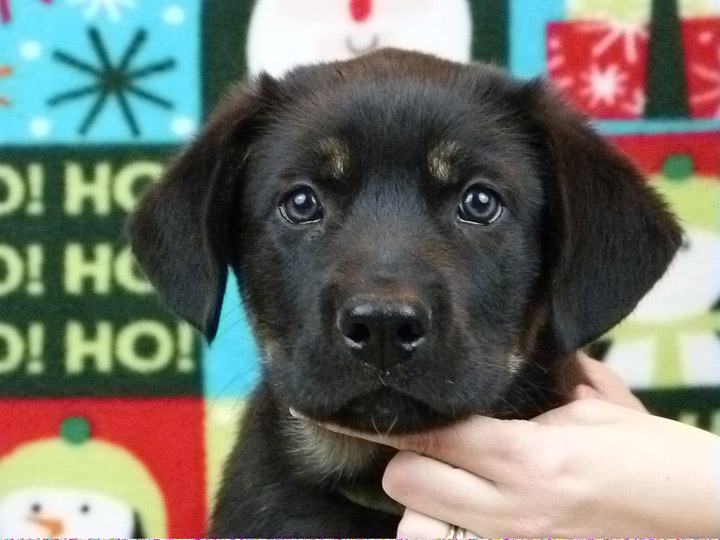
386,411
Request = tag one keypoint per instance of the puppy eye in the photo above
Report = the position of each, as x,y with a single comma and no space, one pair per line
480,205
301,206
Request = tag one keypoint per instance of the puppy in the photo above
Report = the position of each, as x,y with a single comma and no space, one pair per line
416,241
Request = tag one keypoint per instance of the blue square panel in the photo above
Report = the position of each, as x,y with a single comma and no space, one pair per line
99,71
231,365
528,22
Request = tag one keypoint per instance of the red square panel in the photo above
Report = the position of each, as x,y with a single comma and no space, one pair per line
650,151
146,454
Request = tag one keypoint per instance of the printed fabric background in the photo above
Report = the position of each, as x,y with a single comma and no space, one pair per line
115,418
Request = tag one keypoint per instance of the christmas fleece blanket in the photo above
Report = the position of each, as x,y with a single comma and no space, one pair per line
115,418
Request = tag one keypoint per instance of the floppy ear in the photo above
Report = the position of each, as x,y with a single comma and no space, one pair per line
179,232
613,237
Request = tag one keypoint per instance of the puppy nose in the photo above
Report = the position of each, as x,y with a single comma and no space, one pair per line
384,332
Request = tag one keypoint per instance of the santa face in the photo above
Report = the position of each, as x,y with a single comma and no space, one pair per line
287,33
59,512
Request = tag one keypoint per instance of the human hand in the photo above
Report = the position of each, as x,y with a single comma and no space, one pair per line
589,468
597,380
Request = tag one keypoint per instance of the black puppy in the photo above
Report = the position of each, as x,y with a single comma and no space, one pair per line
416,241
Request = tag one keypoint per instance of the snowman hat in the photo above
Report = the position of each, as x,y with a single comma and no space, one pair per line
74,460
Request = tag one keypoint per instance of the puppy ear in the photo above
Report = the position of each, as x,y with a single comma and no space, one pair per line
179,232
612,237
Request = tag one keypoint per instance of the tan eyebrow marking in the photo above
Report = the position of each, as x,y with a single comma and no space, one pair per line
441,159
335,156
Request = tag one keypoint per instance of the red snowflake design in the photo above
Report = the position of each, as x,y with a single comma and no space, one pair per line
600,66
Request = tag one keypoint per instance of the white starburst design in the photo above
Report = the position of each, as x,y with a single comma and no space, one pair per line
603,86
712,75
111,8
627,32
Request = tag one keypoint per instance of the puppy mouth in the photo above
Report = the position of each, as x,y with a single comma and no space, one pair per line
387,411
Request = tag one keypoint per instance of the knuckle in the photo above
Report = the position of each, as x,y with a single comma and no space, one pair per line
586,409
541,465
425,444
522,447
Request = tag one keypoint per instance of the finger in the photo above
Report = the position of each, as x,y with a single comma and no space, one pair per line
416,525
583,414
584,391
482,445
608,384
445,493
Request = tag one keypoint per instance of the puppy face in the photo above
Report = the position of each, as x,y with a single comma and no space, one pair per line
416,240
389,257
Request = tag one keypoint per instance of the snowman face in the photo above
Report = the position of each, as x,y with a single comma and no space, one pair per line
58,512
692,283
287,33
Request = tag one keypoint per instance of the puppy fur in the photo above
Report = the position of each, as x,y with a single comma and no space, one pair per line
388,311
